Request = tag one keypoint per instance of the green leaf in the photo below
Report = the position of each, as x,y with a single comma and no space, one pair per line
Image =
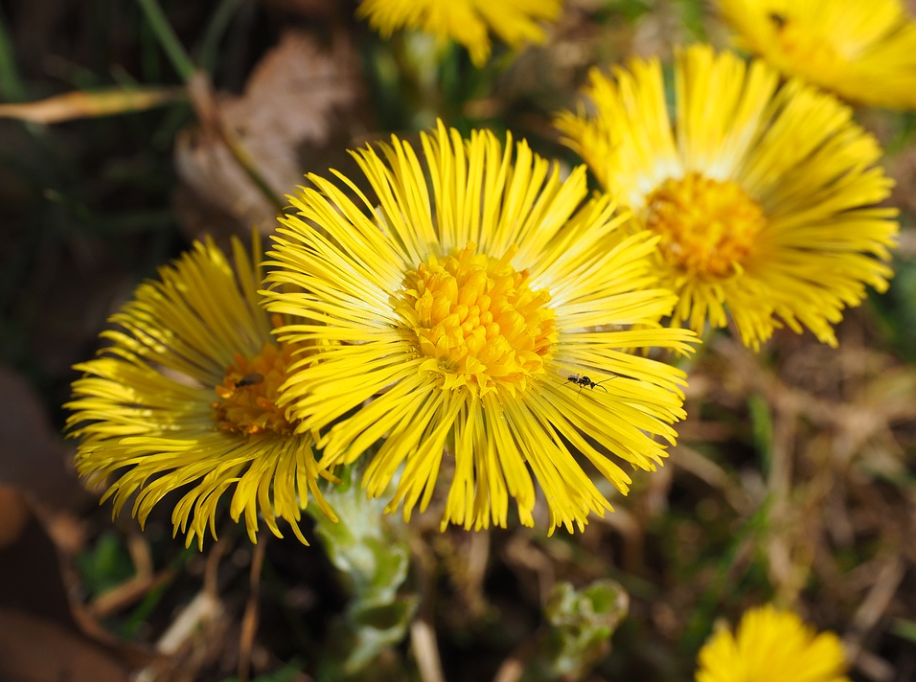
905,629
106,565
581,625
370,551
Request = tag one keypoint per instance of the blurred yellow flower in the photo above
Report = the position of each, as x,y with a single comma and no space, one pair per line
467,22
478,320
863,51
772,645
764,196
184,397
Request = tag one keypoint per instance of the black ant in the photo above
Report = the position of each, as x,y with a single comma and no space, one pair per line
583,381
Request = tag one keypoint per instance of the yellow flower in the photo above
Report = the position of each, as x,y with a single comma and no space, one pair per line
479,324
764,196
863,51
465,21
184,397
772,645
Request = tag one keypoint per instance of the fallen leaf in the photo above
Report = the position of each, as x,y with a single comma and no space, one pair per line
32,455
39,650
294,91
295,100
14,515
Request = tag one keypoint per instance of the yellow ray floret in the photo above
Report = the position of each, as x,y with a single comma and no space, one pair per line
184,399
771,644
765,197
468,22
863,51
478,322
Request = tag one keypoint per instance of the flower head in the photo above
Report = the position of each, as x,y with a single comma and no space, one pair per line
863,51
764,197
478,322
772,645
186,397
465,21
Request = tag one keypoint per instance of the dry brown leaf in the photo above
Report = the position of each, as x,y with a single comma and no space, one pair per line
41,651
294,90
14,515
295,100
32,455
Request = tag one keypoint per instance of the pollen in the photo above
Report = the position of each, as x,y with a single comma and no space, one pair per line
707,227
477,320
248,395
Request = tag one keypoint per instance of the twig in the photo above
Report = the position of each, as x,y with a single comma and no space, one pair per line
139,585
425,650
250,619
211,568
422,633
117,598
201,611
874,605
513,667
875,668
705,469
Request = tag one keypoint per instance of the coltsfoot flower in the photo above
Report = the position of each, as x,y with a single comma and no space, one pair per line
764,196
185,398
770,644
863,51
468,22
468,308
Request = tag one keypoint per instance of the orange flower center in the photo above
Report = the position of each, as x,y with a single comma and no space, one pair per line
248,394
477,320
706,226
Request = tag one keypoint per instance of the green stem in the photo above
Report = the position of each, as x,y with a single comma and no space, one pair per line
167,38
186,69
244,159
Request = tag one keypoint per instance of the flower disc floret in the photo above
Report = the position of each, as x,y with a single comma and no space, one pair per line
707,227
454,309
477,320
247,401
183,401
765,194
